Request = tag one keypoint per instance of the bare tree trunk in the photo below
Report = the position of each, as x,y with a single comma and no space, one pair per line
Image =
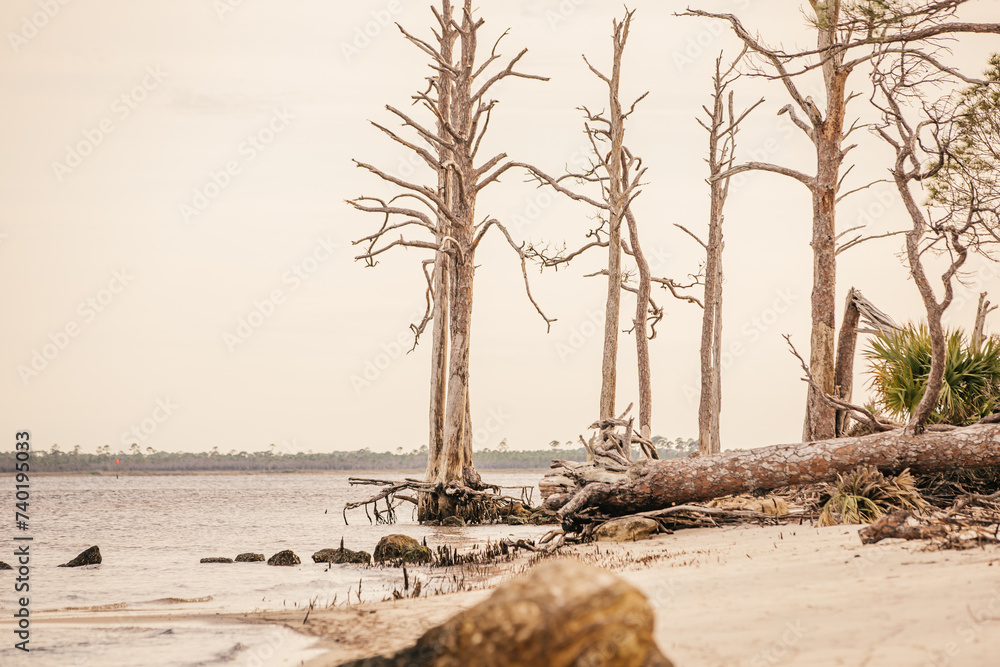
641,338
979,328
820,422
652,485
716,399
846,345
441,282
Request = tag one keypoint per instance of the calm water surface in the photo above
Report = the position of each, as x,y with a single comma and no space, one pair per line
152,532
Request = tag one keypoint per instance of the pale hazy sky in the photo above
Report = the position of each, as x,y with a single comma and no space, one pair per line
170,168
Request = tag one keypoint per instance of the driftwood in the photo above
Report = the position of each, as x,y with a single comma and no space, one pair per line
477,501
650,485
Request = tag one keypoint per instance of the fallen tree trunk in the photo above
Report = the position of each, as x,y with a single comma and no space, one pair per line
655,484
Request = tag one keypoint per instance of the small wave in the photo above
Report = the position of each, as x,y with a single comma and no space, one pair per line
207,598
100,607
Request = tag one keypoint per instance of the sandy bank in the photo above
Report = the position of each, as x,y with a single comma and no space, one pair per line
776,595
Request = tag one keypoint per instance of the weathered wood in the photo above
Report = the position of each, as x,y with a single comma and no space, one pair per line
653,485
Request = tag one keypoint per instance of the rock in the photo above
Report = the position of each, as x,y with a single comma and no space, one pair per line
626,529
250,557
541,518
342,555
4,566
453,521
284,558
516,520
563,613
91,556
769,505
400,549
216,560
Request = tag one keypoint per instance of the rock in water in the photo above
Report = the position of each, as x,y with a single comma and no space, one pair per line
563,613
284,558
91,556
400,549
626,529
4,566
250,558
516,520
216,560
342,555
453,521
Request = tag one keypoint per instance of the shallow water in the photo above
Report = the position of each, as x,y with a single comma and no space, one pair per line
152,532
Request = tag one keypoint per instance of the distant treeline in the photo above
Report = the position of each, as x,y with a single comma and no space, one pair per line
274,460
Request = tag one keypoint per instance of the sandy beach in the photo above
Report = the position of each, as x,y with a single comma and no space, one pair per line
749,595
737,595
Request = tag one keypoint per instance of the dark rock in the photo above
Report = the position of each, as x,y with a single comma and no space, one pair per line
400,549
563,613
341,556
541,517
4,566
216,560
284,558
516,520
453,521
250,558
91,556
626,529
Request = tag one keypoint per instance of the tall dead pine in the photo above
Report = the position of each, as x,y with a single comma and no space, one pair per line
444,213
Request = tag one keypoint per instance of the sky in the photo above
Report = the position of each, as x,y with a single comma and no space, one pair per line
176,253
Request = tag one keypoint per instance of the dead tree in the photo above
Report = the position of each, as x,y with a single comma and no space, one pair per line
619,173
846,34
457,101
582,493
983,309
920,132
722,124
857,310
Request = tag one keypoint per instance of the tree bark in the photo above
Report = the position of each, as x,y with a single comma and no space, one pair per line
641,339
650,485
441,283
846,345
616,203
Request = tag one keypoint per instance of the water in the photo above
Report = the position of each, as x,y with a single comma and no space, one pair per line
152,532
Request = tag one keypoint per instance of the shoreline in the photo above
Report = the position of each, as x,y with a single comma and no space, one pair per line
734,595
202,473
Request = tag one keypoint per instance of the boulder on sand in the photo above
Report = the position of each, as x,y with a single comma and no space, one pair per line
341,556
91,556
250,557
563,613
216,560
626,529
284,558
4,566
400,549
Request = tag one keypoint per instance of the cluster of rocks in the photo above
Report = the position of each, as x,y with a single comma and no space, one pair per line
393,550
519,515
